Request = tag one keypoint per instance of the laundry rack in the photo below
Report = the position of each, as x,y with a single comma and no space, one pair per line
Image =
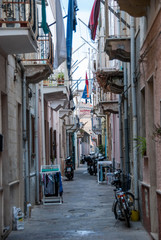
51,184
103,167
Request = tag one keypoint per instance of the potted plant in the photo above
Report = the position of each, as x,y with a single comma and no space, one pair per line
60,78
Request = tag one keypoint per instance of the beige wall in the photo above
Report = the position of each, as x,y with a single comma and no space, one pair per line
150,81
11,161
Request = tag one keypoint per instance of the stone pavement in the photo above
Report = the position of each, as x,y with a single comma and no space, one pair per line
85,214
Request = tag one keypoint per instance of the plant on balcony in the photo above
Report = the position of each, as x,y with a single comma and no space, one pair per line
141,146
60,78
157,133
101,149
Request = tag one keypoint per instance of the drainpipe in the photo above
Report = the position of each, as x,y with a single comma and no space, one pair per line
134,113
120,133
127,165
25,142
42,120
120,113
36,142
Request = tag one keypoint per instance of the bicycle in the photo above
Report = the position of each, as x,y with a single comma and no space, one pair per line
124,200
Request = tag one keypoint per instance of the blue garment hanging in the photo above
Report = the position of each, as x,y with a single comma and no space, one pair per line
71,26
60,185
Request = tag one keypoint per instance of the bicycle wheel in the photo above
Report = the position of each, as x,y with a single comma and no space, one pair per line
130,200
118,211
127,217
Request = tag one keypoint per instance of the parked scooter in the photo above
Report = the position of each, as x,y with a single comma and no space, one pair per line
91,164
82,159
95,166
69,170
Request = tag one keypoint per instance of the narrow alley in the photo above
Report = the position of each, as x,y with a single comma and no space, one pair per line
85,214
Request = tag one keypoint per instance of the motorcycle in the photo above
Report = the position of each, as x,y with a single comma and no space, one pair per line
69,170
91,164
82,159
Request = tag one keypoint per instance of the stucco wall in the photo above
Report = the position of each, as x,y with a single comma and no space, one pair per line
11,160
151,80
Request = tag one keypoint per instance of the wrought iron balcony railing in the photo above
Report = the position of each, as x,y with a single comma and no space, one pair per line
39,65
17,13
18,26
45,52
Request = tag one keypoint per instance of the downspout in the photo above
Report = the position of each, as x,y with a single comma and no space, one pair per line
134,113
25,142
127,165
106,141
114,142
67,143
36,142
120,114
42,123
120,133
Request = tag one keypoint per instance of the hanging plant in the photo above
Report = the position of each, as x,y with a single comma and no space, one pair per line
141,146
101,149
157,133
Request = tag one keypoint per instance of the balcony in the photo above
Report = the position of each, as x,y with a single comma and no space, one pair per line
40,66
65,113
58,95
71,128
99,111
97,129
135,8
111,80
110,106
17,27
118,48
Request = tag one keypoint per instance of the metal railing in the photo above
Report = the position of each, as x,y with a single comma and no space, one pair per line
18,13
45,54
117,20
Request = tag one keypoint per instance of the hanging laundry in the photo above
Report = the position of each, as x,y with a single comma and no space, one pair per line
60,185
43,23
71,26
49,185
60,54
93,20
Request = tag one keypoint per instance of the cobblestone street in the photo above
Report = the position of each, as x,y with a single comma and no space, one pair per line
85,214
